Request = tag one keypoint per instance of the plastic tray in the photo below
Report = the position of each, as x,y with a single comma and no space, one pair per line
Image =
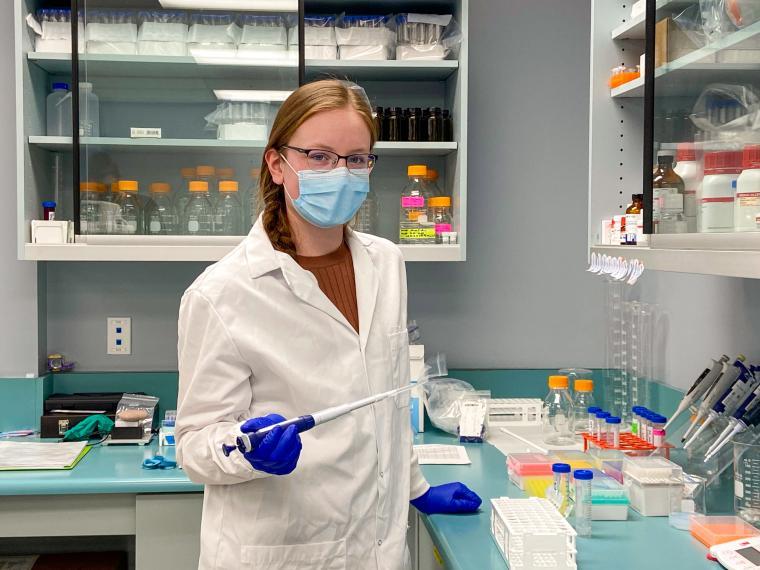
607,491
717,530
533,486
514,412
526,464
575,459
651,469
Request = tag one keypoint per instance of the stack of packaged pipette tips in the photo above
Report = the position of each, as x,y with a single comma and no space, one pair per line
532,534
509,412
654,484
472,420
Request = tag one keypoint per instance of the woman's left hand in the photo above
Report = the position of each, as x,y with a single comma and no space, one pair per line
447,499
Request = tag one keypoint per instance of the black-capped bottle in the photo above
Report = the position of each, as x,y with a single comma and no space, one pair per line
420,130
425,117
434,124
403,129
393,125
413,125
379,123
447,126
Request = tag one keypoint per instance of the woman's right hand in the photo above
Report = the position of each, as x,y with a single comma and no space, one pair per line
280,449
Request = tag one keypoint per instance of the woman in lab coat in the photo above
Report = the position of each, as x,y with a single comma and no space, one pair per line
304,314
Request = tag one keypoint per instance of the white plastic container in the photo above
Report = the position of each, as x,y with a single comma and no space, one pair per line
654,484
688,169
719,191
59,111
366,53
89,111
747,205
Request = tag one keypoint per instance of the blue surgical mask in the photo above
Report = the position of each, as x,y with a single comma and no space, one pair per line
329,198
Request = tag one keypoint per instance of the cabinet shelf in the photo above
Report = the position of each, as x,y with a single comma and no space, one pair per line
391,70
728,263
192,249
636,29
634,88
184,146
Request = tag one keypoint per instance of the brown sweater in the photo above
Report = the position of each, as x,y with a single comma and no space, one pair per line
335,275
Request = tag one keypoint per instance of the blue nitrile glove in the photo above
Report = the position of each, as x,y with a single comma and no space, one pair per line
279,451
447,499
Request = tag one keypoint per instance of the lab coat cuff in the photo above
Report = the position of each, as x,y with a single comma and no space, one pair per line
418,489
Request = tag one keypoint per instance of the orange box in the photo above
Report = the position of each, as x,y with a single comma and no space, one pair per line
718,530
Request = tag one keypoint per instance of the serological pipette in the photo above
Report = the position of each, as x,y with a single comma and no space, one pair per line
740,426
245,442
728,376
729,401
699,388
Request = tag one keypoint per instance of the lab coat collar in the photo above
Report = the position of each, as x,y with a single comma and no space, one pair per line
263,258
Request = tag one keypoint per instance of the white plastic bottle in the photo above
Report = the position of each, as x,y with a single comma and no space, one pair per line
747,206
199,214
58,105
583,498
689,170
89,111
558,423
160,219
228,213
719,191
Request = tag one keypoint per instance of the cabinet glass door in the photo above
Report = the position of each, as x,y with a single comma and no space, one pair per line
705,112
176,100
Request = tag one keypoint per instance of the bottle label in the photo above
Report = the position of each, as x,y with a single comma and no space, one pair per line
413,202
440,228
717,213
748,199
130,226
658,200
155,226
193,226
416,233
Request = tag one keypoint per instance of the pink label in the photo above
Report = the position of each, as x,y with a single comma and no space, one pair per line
413,202
440,228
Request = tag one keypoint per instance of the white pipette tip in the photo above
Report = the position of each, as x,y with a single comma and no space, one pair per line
683,406
723,435
702,428
737,429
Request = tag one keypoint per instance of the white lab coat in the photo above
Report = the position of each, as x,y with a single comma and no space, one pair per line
258,336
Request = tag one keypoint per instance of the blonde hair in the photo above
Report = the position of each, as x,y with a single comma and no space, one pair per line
303,103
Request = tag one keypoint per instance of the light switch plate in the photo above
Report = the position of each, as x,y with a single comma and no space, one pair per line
119,337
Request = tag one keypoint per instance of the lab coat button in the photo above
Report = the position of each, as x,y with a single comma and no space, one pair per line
382,474
380,542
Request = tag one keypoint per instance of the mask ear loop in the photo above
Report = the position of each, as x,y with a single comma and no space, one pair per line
287,192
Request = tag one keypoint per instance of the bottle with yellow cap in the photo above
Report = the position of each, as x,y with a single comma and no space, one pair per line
558,418
90,216
228,212
130,216
199,214
160,219
583,399
414,227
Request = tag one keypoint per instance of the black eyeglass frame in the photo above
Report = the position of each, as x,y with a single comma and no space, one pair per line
306,151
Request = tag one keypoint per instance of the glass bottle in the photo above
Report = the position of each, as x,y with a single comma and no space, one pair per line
672,219
413,125
403,124
425,117
665,181
434,125
447,126
558,413
413,223
130,216
228,213
182,195
583,399
393,126
208,174
160,218
378,117
90,197
199,214
439,212
432,182
634,221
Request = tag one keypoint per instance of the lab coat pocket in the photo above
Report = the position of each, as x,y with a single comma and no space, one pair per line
315,556
398,340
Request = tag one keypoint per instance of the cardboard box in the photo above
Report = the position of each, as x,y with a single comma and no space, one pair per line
671,43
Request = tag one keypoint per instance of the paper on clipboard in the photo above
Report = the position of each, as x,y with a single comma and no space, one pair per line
18,455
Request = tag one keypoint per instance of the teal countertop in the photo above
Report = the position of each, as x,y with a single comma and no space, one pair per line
465,542
105,469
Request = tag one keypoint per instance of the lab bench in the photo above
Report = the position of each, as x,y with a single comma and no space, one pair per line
109,494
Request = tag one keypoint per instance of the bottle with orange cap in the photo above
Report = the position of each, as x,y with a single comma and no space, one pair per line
228,212
199,214
583,399
432,183
160,218
130,217
414,227
208,174
252,205
440,214
182,194
90,198
558,418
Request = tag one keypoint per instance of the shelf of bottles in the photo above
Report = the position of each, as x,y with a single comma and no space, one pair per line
705,187
175,107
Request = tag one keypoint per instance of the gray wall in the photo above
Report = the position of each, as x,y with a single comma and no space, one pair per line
18,280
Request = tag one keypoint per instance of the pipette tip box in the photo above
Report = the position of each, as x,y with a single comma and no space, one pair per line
654,484
712,530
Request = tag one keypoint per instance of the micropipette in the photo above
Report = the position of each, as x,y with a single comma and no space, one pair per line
700,386
749,404
729,402
740,426
247,441
728,376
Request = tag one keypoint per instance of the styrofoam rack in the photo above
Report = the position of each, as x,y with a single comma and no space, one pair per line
531,534
514,412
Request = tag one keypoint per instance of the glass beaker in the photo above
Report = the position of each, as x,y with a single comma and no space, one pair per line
747,481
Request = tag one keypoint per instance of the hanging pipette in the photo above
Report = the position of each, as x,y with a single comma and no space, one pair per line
740,426
728,376
700,387
747,406
245,442
729,402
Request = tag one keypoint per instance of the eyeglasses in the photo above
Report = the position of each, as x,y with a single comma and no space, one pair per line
318,159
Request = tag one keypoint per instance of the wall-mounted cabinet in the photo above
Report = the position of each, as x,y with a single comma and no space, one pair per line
211,81
686,135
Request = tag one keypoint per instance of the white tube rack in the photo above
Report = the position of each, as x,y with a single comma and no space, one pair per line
531,534
505,412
